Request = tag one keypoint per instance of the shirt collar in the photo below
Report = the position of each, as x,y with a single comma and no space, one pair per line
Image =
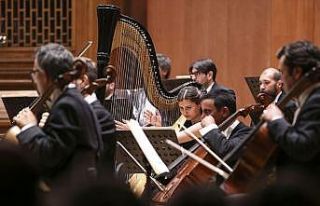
277,97
227,132
91,98
209,87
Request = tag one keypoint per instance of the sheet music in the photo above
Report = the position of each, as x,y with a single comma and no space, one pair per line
150,153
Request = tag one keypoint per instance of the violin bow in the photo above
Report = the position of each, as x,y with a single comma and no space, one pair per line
200,160
207,149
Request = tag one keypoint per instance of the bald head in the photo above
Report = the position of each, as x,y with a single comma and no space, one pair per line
270,81
273,73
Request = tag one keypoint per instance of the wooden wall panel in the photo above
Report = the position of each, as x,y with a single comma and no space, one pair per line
85,21
292,20
241,36
248,45
229,32
15,63
317,22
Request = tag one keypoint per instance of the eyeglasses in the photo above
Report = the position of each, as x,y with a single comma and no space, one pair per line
197,73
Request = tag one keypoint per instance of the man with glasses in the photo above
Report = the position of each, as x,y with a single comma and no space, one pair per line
67,147
204,72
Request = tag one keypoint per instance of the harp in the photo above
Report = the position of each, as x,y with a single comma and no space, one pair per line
126,46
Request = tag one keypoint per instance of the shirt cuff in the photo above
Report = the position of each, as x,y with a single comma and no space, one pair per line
207,129
276,118
27,126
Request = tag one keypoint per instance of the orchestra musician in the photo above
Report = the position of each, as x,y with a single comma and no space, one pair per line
67,147
164,65
204,72
216,109
271,85
105,119
300,140
189,106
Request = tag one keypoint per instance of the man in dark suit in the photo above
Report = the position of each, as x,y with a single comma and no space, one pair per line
86,85
271,90
67,147
204,72
218,108
300,140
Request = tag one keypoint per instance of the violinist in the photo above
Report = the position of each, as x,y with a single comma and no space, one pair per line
216,109
66,148
271,90
105,119
300,140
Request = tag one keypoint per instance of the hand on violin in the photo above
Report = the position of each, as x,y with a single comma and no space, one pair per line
207,120
25,117
271,113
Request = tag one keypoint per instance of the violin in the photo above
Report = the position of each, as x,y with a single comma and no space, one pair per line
101,82
37,105
265,99
259,146
191,172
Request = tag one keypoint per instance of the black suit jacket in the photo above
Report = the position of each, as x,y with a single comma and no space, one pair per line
66,147
289,109
300,142
222,146
217,89
108,128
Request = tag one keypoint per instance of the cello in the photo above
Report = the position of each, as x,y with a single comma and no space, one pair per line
259,147
191,171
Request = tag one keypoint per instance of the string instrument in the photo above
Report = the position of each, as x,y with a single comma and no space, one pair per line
98,83
37,105
265,99
191,171
125,44
85,48
259,147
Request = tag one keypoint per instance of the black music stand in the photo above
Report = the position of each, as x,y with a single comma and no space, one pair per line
170,84
15,104
254,86
157,137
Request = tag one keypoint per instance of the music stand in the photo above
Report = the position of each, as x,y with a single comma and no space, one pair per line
14,104
254,86
157,137
170,84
